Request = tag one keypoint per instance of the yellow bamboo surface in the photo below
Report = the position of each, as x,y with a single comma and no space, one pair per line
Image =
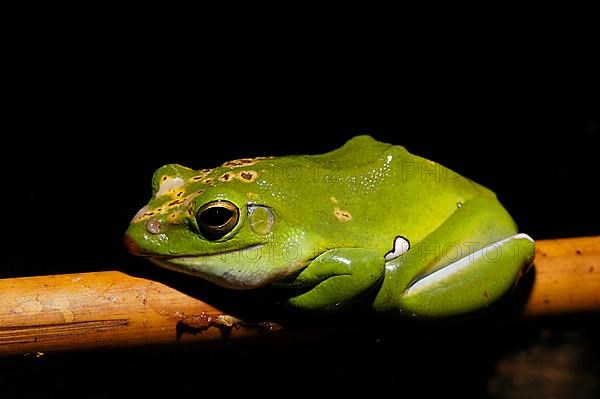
113,309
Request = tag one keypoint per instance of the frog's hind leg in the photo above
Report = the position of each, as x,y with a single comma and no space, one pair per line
472,282
465,264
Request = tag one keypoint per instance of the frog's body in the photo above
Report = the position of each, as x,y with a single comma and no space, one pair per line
327,229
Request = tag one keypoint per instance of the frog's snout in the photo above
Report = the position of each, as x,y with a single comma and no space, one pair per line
132,246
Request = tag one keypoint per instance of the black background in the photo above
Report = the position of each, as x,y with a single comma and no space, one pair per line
92,115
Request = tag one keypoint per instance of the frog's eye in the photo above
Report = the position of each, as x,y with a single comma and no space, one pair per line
217,218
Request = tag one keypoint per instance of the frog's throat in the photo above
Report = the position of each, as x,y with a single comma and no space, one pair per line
246,268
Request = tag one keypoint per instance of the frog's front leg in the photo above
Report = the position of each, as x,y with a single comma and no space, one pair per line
469,262
336,278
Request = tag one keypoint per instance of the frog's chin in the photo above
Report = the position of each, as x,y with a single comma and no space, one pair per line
242,269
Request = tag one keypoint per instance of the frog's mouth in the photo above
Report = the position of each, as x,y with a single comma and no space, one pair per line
245,268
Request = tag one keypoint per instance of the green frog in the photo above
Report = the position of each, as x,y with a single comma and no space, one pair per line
368,221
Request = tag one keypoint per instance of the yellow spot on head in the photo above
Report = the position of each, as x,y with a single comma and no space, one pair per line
176,202
333,200
342,215
188,200
236,163
252,196
226,177
176,217
202,173
247,176
141,214
169,184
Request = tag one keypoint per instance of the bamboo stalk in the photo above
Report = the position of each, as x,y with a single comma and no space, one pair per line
112,309
567,277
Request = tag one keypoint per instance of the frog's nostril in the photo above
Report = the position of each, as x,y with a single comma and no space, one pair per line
132,246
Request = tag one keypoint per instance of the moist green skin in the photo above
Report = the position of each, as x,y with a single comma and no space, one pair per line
325,224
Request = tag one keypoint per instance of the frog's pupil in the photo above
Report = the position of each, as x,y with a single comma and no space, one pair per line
215,217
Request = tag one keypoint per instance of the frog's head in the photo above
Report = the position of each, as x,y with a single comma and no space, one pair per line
222,224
